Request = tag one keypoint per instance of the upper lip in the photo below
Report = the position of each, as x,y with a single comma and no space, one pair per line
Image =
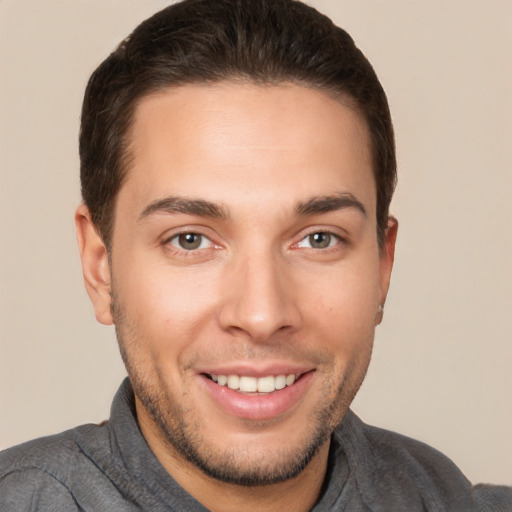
256,369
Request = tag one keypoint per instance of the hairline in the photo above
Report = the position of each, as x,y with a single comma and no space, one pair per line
126,157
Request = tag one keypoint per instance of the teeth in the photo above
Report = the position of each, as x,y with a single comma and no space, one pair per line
267,384
233,381
280,382
246,384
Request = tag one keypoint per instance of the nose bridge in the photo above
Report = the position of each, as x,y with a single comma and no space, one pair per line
260,300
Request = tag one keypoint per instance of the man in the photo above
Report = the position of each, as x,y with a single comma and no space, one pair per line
237,165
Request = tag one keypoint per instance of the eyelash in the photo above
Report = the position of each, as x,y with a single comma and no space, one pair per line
176,237
333,240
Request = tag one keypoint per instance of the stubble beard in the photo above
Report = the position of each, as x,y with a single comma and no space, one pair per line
237,465
234,466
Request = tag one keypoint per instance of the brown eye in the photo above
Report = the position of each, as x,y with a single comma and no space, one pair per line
190,241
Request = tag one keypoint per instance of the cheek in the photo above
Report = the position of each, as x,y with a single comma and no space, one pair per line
164,305
345,300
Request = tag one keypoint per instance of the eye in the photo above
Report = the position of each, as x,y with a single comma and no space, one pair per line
319,240
190,241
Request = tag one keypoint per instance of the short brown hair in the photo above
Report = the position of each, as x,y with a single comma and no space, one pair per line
207,41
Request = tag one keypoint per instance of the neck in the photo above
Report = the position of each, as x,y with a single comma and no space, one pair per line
298,494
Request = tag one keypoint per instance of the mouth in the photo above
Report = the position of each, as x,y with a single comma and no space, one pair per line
249,385
260,395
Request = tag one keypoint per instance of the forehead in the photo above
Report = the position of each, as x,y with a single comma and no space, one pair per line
249,140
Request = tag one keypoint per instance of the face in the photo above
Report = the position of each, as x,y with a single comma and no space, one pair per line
245,274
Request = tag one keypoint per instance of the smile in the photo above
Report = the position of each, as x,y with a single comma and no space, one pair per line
257,397
261,385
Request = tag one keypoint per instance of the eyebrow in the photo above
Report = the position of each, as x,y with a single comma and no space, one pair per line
203,208
325,204
186,206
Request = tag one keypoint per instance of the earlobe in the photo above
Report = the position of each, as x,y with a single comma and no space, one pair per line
387,257
95,265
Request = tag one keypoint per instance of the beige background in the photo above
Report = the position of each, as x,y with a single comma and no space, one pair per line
442,370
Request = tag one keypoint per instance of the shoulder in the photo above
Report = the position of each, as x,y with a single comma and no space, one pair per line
419,458
55,455
493,498
34,489
395,452
40,474
410,470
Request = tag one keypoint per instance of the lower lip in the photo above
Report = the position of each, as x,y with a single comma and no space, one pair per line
258,407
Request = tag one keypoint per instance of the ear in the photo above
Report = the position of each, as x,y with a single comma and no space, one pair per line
387,257
95,265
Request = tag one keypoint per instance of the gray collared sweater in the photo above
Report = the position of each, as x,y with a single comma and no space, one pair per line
109,467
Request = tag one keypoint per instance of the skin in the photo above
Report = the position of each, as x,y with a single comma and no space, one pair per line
274,165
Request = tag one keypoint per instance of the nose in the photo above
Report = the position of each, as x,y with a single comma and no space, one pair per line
259,299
